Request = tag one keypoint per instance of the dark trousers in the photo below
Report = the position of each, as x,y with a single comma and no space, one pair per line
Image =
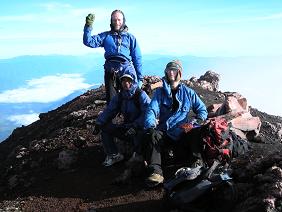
110,131
114,67
112,84
156,142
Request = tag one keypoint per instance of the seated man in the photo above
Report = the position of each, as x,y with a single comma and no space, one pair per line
170,105
131,102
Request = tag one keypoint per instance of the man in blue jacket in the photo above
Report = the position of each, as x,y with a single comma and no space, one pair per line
121,50
131,102
165,117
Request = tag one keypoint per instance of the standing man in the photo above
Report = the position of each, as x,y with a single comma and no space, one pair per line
167,117
121,50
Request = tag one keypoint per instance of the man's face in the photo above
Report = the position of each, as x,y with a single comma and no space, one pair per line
126,83
117,21
171,74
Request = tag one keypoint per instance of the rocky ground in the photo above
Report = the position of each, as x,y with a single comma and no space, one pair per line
54,164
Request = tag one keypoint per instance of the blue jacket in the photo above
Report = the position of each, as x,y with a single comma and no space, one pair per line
169,121
128,49
133,115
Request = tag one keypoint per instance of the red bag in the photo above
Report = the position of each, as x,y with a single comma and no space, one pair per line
217,140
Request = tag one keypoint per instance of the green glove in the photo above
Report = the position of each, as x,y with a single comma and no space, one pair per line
90,19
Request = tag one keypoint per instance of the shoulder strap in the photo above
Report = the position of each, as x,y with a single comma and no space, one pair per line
119,99
136,97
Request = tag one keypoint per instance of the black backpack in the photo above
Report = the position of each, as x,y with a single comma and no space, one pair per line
240,146
201,189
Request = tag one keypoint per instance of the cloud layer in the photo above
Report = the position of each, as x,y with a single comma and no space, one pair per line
45,89
24,119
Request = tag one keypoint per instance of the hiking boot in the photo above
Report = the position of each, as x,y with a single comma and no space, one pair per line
188,173
154,179
198,162
183,174
112,159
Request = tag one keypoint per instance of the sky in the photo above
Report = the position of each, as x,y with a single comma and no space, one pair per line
200,28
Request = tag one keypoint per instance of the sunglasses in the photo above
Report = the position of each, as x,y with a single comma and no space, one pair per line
174,70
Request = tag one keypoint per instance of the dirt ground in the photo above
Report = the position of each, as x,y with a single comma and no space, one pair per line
32,180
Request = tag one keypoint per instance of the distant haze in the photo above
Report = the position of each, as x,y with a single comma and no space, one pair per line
36,84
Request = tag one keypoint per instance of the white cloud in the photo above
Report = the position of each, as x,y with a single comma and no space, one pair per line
277,16
49,37
271,17
24,119
55,6
55,14
18,18
45,89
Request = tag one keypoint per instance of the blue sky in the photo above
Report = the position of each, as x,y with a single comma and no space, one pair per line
200,28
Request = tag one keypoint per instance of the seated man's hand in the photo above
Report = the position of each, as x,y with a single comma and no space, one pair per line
197,121
150,131
154,135
130,132
187,127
